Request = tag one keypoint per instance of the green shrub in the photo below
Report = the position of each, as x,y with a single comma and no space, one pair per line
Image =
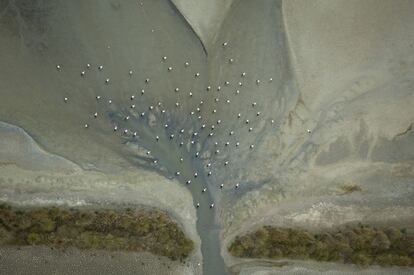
362,245
134,230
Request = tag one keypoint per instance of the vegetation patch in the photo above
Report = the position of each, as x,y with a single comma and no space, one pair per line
362,245
123,229
350,188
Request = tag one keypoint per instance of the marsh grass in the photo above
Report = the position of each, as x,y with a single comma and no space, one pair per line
362,245
126,229
350,188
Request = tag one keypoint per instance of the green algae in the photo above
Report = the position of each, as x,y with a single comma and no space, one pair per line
361,245
122,229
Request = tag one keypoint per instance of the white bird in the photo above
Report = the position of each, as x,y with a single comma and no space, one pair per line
58,67
212,205
225,44
164,58
195,174
95,115
204,190
237,185
221,186
132,97
65,99
198,205
177,173
243,74
100,67
86,125
209,173
83,73
188,181
157,138
197,74
186,64
115,128
147,80
309,131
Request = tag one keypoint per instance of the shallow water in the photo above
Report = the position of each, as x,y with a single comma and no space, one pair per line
130,96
